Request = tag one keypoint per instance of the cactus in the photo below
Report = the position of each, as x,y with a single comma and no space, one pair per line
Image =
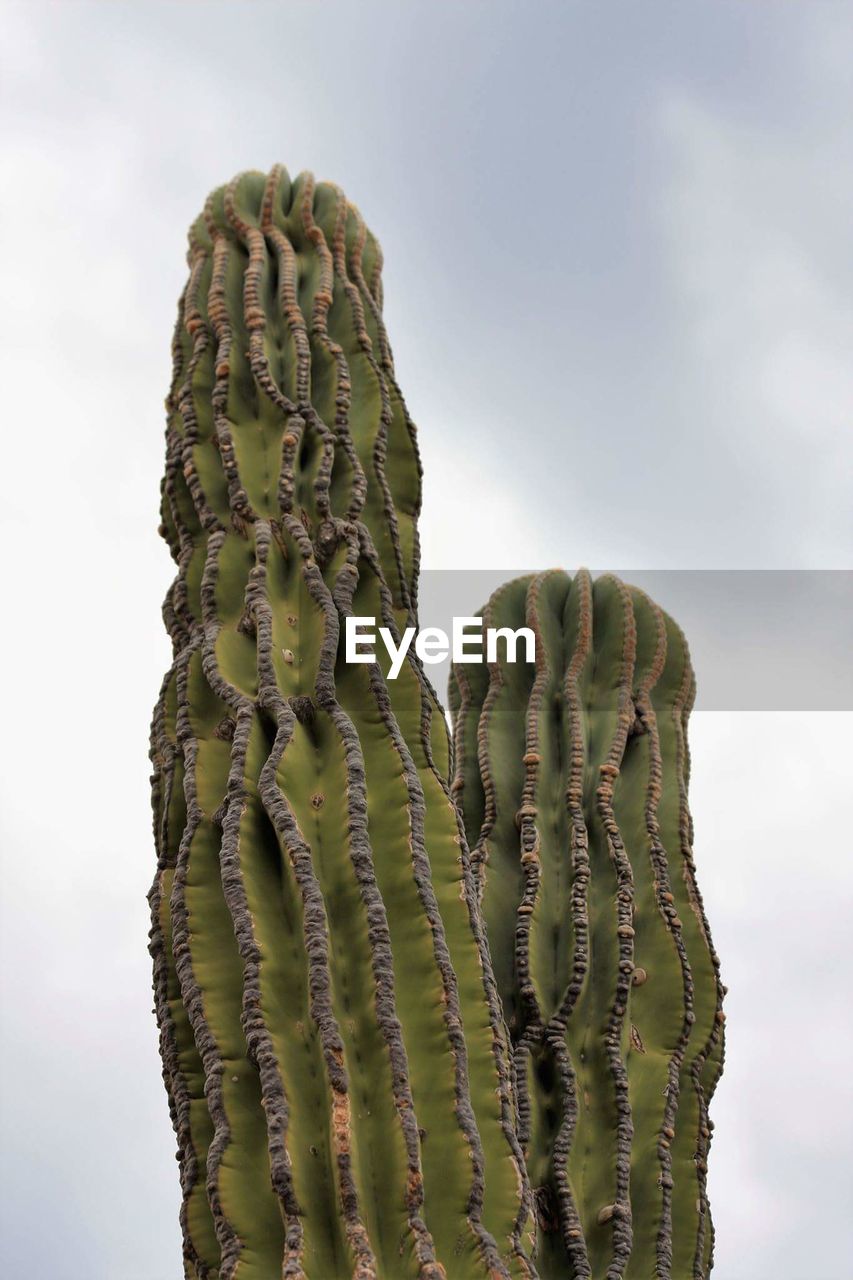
571,773
333,1049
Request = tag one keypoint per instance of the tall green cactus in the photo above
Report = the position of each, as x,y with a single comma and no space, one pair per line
572,773
333,1048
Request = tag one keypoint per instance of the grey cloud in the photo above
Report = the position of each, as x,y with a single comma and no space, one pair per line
616,241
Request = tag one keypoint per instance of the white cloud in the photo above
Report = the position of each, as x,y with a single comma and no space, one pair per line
475,516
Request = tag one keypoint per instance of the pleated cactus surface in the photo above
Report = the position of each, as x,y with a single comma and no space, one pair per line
333,1049
572,775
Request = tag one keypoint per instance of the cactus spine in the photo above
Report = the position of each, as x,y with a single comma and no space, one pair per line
572,776
333,1048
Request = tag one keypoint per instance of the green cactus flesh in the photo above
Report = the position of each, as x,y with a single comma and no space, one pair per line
571,773
334,1054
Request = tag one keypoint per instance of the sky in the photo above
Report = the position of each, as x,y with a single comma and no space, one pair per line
619,291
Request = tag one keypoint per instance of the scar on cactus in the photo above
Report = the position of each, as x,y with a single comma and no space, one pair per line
323,990
571,773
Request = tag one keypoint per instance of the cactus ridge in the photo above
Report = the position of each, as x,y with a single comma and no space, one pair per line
707,1065
571,773
167,785
416,805
295,797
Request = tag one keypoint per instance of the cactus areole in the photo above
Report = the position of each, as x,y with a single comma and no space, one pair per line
572,773
333,1048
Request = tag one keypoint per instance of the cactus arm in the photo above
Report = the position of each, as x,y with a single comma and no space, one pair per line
284,942
579,792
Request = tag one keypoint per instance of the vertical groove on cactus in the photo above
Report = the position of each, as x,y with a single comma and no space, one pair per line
646,741
330,1028
707,1065
571,773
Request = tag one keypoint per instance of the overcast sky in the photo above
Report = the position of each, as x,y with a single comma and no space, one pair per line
619,290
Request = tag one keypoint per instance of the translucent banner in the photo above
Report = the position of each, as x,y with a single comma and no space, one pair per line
761,640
